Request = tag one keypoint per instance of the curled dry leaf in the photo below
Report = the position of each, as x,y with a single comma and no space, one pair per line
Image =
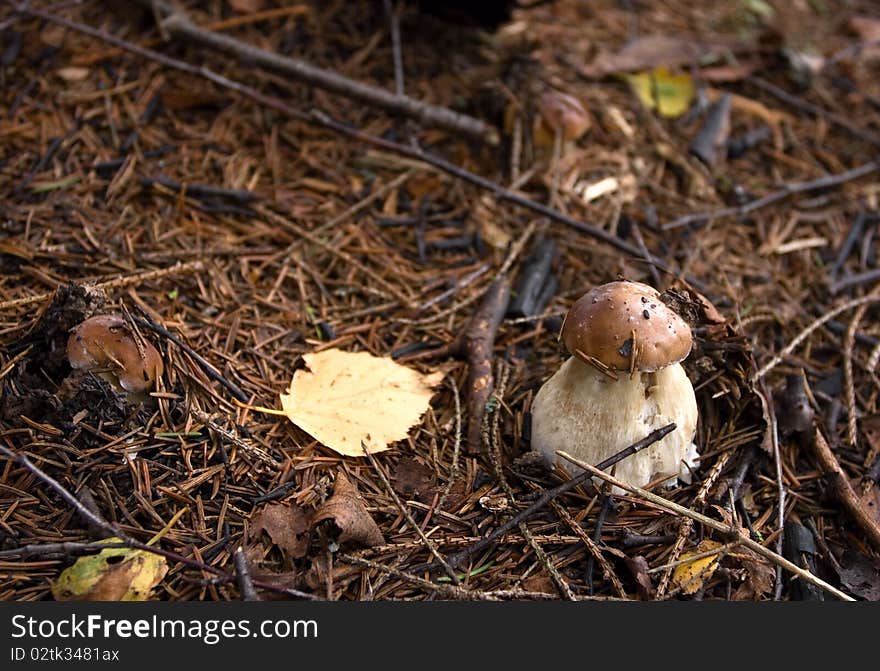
287,525
414,479
354,400
638,566
653,51
114,574
347,511
760,576
869,497
860,575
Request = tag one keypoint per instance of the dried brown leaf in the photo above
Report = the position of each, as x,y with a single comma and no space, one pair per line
638,566
860,575
414,479
114,574
869,497
761,576
650,51
539,583
286,524
347,511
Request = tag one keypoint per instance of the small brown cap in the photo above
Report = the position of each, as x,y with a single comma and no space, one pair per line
563,113
624,325
105,345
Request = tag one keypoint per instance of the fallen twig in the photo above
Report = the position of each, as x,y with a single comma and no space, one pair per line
111,530
787,190
551,494
476,344
243,576
803,335
673,507
319,118
177,23
684,529
203,363
815,110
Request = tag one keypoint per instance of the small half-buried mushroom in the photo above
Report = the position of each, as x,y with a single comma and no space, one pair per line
623,381
106,346
559,114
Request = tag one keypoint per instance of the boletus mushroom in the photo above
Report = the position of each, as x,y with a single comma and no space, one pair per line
106,346
623,381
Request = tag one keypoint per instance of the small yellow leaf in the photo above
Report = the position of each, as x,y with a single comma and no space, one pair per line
346,399
670,94
114,574
691,575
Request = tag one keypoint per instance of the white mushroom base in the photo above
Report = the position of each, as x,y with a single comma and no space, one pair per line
592,417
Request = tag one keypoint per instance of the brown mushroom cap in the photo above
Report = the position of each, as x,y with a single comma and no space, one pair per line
624,325
563,113
105,344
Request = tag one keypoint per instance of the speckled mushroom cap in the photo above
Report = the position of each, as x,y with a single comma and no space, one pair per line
625,326
104,343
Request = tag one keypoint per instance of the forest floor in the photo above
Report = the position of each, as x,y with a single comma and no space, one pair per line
239,230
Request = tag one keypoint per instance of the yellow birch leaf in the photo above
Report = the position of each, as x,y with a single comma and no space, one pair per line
114,574
659,89
346,399
691,575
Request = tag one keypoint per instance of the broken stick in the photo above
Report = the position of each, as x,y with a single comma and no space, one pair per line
178,24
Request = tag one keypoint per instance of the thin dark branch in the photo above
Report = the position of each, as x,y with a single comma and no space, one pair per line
854,280
321,119
394,26
550,494
808,107
65,549
101,523
202,190
786,191
209,369
243,576
178,24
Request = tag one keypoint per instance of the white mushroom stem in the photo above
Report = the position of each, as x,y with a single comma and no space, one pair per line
592,417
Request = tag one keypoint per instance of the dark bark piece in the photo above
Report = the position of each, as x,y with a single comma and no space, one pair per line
535,285
799,548
739,145
795,412
710,142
